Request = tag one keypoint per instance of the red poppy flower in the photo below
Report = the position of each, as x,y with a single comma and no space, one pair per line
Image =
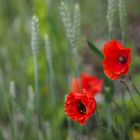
116,59
91,83
80,106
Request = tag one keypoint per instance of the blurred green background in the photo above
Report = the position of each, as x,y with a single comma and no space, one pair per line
16,64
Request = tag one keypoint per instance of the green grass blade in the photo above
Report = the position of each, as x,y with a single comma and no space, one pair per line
95,50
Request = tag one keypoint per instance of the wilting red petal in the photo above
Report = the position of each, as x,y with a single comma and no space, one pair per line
76,85
91,83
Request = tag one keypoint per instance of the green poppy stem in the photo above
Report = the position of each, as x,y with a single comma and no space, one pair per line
129,91
133,85
98,117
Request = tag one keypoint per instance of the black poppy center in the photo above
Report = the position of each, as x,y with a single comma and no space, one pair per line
122,59
82,108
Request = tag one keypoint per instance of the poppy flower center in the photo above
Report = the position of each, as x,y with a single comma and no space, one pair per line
122,59
81,108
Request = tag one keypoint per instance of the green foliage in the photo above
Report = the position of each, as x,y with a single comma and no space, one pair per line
95,50
19,119
109,89
1,135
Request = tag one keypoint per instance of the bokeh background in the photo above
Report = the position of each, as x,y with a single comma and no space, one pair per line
17,122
